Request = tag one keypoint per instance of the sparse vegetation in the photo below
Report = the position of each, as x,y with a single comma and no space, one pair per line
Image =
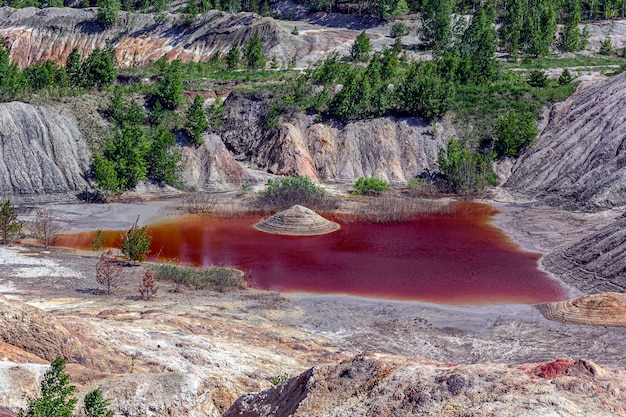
148,288
282,193
218,278
136,243
109,272
45,226
279,379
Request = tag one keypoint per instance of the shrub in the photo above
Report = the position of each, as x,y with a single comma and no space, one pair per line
98,240
196,122
370,186
96,405
148,288
537,78
218,278
606,48
361,48
109,273
515,131
45,226
283,193
279,379
136,243
398,29
465,171
565,77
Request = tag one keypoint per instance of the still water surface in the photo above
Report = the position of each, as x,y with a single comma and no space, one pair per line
453,259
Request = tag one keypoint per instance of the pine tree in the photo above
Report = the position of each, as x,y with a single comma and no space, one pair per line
136,243
436,24
10,227
570,37
163,157
253,52
109,11
478,46
56,394
73,68
512,24
233,57
196,120
96,405
169,89
361,48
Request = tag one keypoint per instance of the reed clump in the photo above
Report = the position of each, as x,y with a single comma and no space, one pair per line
392,209
217,278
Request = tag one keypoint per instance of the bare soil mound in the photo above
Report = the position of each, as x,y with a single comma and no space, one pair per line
297,221
606,309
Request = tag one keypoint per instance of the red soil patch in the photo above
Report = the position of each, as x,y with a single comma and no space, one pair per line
553,369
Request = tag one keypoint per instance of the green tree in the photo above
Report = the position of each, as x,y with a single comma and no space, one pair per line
514,132
99,68
401,7
537,78
10,79
73,68
96,405
10,227
478,46
361,48
109,11
56,394
136,243
169,90
606,48
253,52
163,157
436,29
398,29
127,152
233,57
565,77
196,122
570,37
265,9
464,171
512,23
423,93
105,174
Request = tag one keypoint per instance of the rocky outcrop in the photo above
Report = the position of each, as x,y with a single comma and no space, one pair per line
579,160
394,149
44,156
35,35
606,309
381,385
594,264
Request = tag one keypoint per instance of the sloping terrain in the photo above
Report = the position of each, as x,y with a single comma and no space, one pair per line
595,263
385,386
394,149
34,35
44,156
579,160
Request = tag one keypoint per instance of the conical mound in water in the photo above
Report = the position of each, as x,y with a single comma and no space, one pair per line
297,221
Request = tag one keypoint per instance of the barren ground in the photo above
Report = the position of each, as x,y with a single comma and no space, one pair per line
62,281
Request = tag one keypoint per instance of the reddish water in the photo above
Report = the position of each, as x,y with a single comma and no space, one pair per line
452,259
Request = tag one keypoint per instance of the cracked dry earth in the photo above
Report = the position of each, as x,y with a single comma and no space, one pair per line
194,353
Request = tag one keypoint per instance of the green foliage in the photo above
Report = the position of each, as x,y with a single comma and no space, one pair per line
56,394
279,379
436,29
109,11
514,132
218,278
295,31
99,68
606,48
477,49
136,243
282,193
105,174
465,171
196,122
370,186
163,157
233,57
121,112
214,115
423,93
398,29
73,68
96,405
253,52
97,243
169,90
571,39
10,80
566,77
44,75
10,227
126,150
361,48
537,78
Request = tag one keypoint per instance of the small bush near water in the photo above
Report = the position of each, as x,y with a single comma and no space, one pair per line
390,209
282,193
370,186
217,278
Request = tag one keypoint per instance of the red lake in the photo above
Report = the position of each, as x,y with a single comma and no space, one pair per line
455,258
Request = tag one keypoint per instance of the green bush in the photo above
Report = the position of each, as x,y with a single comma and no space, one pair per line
398,29
282,193
136,243
465,171
370,186
537,78
515,131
